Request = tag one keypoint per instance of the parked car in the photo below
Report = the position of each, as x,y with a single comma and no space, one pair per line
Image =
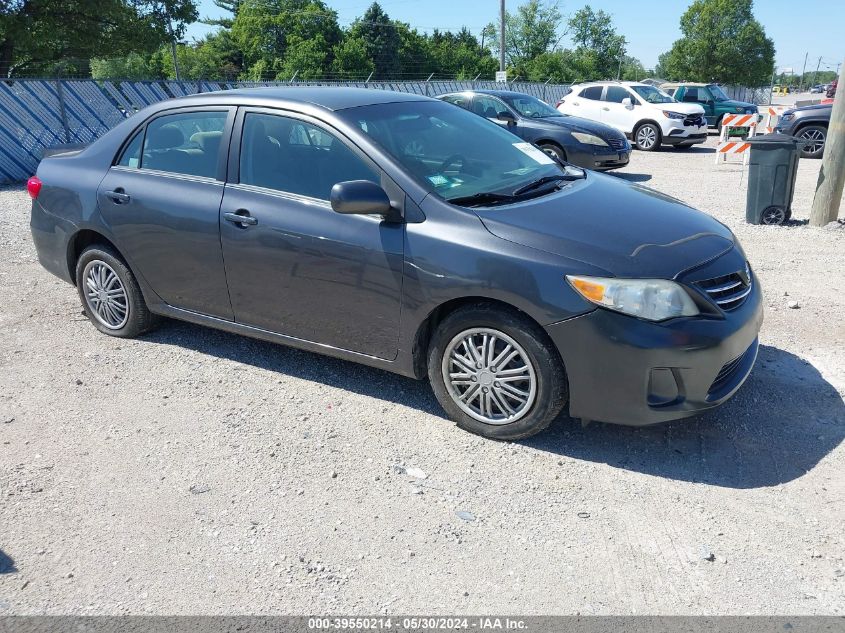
404,233
817,89
831,89
712,98
642,112
567,138
809,124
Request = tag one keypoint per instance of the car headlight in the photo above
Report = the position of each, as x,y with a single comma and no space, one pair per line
787,117
673,115
750,110
652,299
589,139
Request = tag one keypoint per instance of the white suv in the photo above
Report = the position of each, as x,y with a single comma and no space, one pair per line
645,114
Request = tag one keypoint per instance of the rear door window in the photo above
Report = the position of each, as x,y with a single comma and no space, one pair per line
593,92
185,143
615,94
458,100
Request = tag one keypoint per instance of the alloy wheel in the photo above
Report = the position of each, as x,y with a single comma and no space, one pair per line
814,139
105,295
646,137
489,376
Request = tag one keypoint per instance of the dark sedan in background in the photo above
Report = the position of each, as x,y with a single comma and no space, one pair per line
809,124
571,139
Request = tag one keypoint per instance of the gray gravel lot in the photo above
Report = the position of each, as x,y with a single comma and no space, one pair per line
193,471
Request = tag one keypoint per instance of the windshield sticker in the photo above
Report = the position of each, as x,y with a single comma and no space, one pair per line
439,180
537,154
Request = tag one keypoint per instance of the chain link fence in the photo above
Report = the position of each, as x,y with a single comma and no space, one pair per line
36,114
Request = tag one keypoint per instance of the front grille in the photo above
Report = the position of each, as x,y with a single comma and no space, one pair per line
728,291
617,143
694,119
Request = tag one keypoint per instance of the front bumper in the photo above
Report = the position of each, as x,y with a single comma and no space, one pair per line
600,158
630,371
675,132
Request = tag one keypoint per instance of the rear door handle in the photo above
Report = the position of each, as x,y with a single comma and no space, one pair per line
118,197
241,217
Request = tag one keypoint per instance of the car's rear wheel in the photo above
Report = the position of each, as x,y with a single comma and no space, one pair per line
495,373
554,151
647,137
110,294
814,137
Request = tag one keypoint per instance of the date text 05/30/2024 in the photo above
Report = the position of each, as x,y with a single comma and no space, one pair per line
416,623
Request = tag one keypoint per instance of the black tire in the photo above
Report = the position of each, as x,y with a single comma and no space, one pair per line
554,151
138,318
641,135
551,392
815,134
774,216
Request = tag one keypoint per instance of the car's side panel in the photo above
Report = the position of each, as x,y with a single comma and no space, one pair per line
303,270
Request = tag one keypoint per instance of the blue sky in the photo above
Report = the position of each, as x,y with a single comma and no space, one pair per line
808,26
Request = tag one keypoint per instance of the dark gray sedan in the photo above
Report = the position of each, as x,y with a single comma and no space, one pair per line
568,138
407,234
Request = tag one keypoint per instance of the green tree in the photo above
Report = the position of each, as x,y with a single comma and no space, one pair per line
722,42
530,32
380,35
306,59
599,48
133,66
460,55
230,6
351,60
264,30
35,35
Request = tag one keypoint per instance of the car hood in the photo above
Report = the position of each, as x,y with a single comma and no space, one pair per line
683,108
623,228
577,124
817,108
731,103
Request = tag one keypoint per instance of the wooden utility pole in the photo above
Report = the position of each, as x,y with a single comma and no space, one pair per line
832,175
803,71
815,74
501,34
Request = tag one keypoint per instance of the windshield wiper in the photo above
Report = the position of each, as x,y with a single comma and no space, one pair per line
545,180
481,198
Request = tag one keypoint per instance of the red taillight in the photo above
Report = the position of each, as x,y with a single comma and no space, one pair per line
33,186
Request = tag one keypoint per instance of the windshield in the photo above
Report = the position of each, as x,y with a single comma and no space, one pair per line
717,93
532,107
650,94
451,151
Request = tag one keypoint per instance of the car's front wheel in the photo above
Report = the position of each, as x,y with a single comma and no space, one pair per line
110,294
647,137
495,373
814,137
554,151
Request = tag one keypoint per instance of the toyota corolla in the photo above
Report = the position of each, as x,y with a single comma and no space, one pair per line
410,235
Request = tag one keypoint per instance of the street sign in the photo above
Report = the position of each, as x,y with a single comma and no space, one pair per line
502,76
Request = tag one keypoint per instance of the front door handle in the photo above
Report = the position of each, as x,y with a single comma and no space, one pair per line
118,196
606,109
241,217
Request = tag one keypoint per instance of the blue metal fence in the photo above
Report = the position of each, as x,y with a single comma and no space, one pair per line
39,113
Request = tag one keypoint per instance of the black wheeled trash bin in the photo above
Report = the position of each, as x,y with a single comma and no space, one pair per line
771,178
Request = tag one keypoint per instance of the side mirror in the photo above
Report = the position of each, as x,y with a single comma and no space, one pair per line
360,197
627,103
507,117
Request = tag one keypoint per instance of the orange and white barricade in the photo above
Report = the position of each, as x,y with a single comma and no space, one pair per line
729,149
770,116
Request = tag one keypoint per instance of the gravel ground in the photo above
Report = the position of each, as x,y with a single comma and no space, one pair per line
194,471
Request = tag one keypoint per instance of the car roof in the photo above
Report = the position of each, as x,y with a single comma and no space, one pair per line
609,83
329,97
694,84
